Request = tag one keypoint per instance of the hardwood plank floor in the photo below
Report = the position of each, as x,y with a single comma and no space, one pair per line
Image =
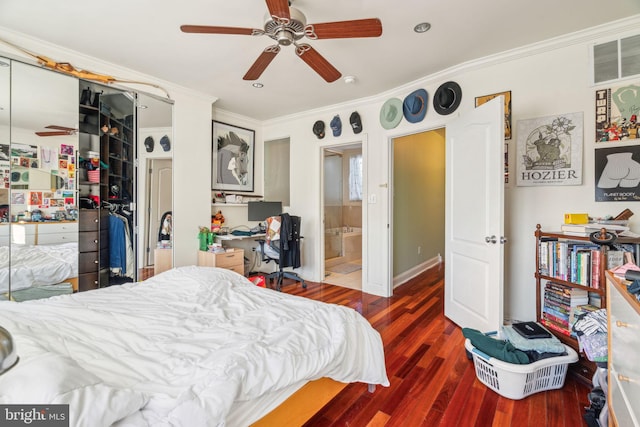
432,381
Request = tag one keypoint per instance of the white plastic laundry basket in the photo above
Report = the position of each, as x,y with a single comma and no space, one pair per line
519,381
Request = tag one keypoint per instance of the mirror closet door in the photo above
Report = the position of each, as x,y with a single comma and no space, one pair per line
155,176
5,174
107,186
43,214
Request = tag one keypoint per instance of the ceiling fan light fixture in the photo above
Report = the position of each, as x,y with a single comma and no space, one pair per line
422,27
257,85
284,37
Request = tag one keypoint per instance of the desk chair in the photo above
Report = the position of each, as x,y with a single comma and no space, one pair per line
282,246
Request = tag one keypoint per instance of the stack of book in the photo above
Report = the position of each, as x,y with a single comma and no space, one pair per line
587,229
559,301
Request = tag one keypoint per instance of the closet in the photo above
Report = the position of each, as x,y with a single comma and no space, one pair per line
106,185
69,180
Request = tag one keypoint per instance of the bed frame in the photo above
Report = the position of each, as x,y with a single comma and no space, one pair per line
302,404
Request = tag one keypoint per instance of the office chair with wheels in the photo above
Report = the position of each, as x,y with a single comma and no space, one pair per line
282,246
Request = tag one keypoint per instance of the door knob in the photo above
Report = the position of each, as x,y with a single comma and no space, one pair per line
491,239
503,240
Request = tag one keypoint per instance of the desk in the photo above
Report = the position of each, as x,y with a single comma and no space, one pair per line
230,237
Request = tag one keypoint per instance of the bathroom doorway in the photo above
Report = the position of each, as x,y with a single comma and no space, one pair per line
342,213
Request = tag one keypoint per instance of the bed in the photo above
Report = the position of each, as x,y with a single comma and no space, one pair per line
37,265
193,346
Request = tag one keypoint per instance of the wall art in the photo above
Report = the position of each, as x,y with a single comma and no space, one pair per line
549,150
617,111
507,109
617,173
233,151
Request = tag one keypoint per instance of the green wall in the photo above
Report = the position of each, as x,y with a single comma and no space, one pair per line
418,199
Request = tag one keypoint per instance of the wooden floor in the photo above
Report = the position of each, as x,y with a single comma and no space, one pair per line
432,381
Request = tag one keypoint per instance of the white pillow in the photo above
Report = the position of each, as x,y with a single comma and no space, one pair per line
50,378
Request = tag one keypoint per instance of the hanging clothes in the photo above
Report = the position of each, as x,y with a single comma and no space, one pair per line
117,245
121,259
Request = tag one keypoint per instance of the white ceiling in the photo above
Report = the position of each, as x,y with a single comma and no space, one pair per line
144,35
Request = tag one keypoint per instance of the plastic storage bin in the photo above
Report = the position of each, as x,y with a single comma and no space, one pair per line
519,381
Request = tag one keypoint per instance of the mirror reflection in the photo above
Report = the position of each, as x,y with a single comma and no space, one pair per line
43,256
155,154
5,173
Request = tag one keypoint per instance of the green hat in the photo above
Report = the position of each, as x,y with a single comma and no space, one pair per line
391,113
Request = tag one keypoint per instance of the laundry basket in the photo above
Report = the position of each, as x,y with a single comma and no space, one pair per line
519,381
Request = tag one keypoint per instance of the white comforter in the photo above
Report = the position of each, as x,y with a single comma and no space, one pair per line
37,265
186,344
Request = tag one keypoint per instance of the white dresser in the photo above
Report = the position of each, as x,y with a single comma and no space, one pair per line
624,347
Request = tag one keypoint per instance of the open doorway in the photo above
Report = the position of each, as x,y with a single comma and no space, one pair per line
418,203
342,214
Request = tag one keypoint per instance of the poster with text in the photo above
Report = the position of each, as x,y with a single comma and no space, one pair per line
549,150
617,113
617,173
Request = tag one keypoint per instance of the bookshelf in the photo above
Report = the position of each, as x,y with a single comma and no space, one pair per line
569,265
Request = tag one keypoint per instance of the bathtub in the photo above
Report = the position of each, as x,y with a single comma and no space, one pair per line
344,244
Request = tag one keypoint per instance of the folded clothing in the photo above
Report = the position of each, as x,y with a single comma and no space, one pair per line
499,349
541,345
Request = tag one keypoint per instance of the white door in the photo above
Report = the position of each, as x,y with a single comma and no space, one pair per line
160,200
474,218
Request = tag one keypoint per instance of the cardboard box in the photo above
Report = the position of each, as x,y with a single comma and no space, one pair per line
576,218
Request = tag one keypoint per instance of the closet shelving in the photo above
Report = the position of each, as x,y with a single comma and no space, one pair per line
107,128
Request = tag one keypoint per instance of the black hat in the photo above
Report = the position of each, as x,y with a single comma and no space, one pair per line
356,122
447,98
149,143
336,125
318,129
165,143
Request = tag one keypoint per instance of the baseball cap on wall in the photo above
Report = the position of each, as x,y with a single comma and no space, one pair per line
149,144
165,143
318,129
336,125
356,122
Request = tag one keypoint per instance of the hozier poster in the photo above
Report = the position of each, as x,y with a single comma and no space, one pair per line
549,150
617,112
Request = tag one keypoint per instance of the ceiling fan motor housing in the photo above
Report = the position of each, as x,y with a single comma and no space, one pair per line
286,32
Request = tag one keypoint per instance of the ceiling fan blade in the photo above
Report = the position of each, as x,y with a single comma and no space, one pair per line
60,128
53,133
262,63
317,62
371,27
208,29
279,9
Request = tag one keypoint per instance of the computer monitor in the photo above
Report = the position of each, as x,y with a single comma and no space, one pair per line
259,211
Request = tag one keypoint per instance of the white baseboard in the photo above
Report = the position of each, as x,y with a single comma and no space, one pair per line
415,271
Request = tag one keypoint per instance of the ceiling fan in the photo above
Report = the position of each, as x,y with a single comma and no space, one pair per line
60,130
287,25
